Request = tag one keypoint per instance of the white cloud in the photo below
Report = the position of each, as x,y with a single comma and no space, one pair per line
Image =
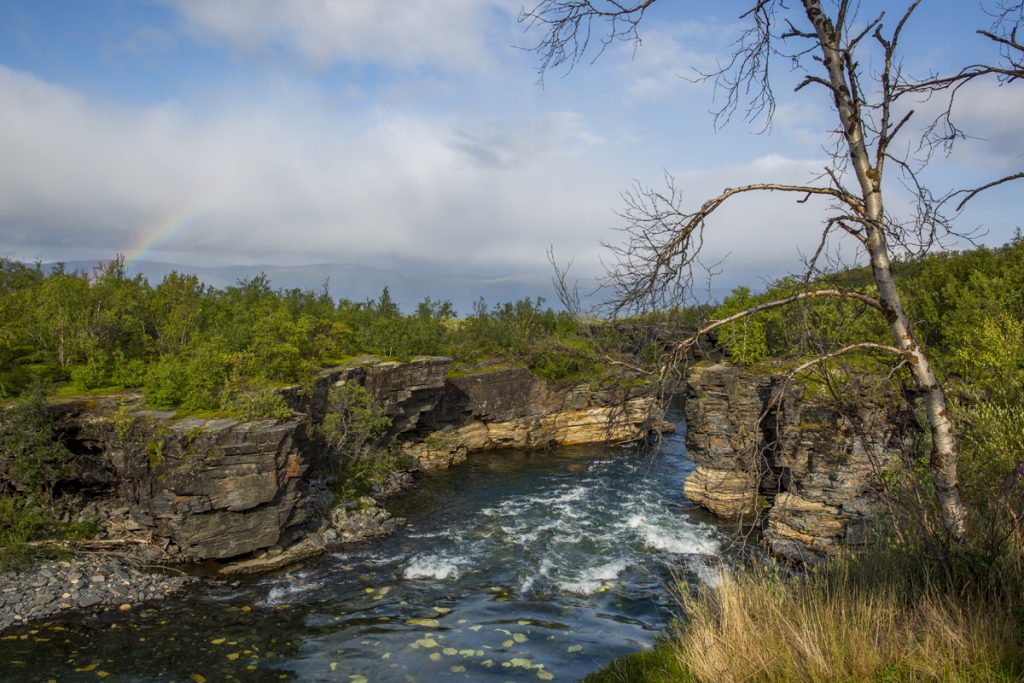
313,182
306,183
667,61
991,116
450,33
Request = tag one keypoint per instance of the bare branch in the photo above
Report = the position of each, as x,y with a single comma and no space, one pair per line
844,350
971,194
567,27
653,268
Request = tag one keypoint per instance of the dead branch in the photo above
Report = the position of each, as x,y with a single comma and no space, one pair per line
567,27
94,543
971,194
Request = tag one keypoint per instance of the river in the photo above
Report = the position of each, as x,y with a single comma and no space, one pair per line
512,566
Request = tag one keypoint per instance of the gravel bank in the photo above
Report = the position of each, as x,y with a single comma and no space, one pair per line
82,583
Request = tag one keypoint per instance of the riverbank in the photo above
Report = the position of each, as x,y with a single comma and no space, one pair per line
89,583
258,496
883,615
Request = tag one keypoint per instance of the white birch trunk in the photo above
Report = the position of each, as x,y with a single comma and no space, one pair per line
944,450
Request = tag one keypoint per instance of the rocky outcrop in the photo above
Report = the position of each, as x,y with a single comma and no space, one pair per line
222,489
511,408
724,439
803,467
207,488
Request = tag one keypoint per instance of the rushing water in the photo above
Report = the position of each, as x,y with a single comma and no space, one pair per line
513,566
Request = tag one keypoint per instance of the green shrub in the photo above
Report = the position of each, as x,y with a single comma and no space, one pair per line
21,522
744,339
194,380
33,457
564,359
254,402
24,519
353,428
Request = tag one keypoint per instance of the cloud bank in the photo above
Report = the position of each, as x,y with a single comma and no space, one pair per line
450,33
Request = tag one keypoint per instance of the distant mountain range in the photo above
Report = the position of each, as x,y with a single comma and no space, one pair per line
359,282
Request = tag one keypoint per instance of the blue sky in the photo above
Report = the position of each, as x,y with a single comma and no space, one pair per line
412,132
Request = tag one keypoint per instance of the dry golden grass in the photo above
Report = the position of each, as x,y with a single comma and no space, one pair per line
837,624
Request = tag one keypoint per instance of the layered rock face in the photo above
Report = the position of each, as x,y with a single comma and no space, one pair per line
724,439
511,408
805,468
223,488
211,489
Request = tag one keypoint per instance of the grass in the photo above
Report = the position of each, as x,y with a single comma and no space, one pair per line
877,617
24,521
69,390
659,665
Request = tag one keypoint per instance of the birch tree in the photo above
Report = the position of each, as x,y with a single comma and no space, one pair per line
828,44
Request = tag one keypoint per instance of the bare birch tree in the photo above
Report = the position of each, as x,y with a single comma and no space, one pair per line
654,266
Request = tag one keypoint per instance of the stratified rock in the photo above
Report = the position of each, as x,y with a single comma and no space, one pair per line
221,489
724,438
730,494
511,408
806,466
832,456
216,488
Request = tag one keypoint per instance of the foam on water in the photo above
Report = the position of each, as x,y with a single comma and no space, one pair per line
286,593
709,575
665,532
580,534
435,567
591,580
572,494
561,557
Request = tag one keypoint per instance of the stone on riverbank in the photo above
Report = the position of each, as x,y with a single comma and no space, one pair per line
88,582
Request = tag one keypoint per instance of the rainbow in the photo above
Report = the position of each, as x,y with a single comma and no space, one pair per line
166,229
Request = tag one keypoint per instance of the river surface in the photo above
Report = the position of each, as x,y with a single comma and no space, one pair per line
513,566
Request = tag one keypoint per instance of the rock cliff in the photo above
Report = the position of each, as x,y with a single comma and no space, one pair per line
511,408
805,468
223,488
206,488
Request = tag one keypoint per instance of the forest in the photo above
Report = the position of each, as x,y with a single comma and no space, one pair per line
193,347
190,346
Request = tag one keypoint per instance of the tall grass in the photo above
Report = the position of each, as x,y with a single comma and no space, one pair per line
881,616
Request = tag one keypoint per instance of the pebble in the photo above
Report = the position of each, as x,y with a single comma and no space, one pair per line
89,583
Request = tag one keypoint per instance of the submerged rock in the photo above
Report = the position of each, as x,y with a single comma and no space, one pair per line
362,519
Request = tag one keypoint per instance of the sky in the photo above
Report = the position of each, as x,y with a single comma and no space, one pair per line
414,134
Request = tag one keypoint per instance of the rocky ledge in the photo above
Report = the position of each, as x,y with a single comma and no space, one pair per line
95,583
803,467
511,408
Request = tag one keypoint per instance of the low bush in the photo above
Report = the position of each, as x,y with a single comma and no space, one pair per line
353,428
30,457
